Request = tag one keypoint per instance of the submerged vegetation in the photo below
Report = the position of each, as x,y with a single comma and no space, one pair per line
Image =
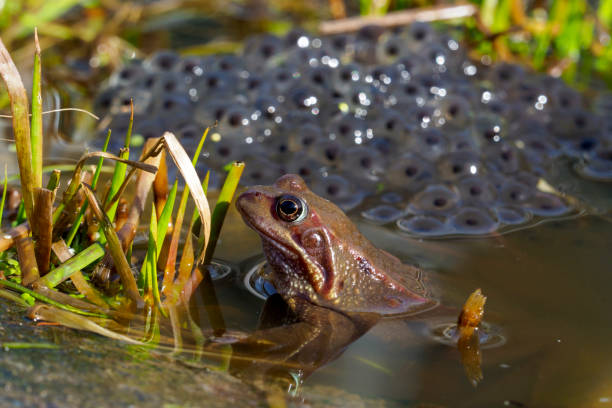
73,258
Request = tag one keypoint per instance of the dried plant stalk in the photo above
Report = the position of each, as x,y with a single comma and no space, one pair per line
399,18
66,299
67,212
160,185
68,319
27,260
188,172
7,239
43,205
123,211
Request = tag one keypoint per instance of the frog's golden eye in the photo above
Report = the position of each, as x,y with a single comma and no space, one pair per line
291,208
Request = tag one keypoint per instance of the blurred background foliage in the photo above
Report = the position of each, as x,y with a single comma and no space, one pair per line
84,39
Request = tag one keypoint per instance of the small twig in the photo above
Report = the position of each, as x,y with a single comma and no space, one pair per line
398,18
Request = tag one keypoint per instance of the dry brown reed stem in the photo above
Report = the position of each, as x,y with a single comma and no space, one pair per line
8,238
27,260
21,127
398,18
43,206
123,211
71,208
142,187
66,299
72,320
160,185
61,250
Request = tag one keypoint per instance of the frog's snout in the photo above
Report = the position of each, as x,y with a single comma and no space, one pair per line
248,201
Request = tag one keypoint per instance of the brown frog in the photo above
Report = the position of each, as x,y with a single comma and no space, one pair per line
318,255
335,284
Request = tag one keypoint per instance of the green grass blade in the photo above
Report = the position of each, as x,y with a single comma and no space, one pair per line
36,131
120,168
4,188
152,253
21,127
225,198
604,12
164,217
22,289
54,180
84,258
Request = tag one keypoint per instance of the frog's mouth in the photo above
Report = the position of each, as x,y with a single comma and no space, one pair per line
268,240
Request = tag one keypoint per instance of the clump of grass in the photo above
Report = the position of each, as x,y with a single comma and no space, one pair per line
82,237
568,38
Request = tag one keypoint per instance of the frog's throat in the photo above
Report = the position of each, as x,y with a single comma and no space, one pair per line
302,267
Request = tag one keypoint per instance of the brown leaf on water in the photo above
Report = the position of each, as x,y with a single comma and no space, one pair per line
472,312
469,342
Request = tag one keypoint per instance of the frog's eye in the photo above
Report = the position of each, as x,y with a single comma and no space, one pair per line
291,208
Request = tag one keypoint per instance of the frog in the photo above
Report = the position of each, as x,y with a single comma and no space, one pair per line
317,255
332,283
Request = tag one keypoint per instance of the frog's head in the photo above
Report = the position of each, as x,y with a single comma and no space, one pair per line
317,253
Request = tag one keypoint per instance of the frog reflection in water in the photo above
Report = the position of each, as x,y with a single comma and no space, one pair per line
335,283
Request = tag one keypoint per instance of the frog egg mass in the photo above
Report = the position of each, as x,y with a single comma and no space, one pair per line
399,126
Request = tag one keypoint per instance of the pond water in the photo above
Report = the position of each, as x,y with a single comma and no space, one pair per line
547,293
547,290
